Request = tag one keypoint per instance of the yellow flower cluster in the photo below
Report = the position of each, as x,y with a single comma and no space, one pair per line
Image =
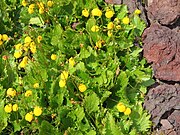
97,12
3,38
63,78
122,108
82,87
9,108
40,5
28,44
37,112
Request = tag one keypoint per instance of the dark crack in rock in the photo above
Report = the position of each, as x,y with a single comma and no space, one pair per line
162,49
166,12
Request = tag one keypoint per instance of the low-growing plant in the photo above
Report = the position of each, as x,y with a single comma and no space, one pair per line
76,68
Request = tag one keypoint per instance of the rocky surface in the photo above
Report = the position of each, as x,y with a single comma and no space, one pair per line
161,102
162,49
166,12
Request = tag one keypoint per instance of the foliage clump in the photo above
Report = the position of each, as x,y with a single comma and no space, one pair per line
72,67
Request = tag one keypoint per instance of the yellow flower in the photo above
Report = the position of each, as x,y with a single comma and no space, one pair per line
1,42
28,93
15,107
96,12
116,20
62,83
11,92
95,28
4,37
109,33
33,47
18,46
137,12
17,54
40,5
37,111
110,25
39,39
71,62
126,20
24,62
49,3
8,108
24,3
31,8
53,57
0,36
127,111
99,43
82,87
25,48
27,40
118,27
121,107
36,85
64,75
29,116
109,13
41,10
85,13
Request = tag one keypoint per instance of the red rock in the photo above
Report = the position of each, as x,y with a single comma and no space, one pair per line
164,11
162,49
166,124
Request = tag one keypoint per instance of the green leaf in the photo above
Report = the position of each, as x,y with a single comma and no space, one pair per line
111,127
16,126
57,35
4,117
91,103
94,35
105,95
81,66
142,75
122,11
46,128
92,132
79,113
123,79
37,21
139,24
